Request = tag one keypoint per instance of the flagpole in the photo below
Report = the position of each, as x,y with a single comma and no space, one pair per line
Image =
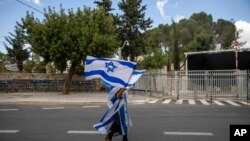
126,42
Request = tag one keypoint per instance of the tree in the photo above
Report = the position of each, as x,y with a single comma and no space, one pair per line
28,66
176,54
3,59
157,44
130,27
34,65
155,60
15,47
104,4
69,37
193,34
204,20
202,42
225,33
38,35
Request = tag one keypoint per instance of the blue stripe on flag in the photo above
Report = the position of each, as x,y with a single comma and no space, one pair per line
109,120
106,123
105,76
123,120
113,99
125,63
136,72
130,85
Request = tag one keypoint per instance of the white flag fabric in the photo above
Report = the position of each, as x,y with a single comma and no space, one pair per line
135,76
116,107
115,72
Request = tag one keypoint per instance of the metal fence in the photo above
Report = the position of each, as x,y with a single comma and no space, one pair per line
197,84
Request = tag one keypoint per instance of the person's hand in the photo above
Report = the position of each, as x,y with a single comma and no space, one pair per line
120,93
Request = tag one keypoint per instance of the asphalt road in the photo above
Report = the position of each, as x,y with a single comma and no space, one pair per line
151,122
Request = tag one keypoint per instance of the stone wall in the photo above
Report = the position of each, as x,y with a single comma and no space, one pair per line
35,76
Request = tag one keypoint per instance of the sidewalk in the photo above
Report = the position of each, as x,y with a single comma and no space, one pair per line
58,97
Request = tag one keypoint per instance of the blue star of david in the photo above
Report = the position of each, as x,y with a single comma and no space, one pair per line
110,67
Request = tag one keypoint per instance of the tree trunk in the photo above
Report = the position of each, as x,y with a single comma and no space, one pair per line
20,66
67,82
48,68
169,61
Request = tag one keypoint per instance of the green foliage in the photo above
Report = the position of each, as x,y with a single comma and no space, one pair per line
225,32
39,67
3,57
176,54
202,42
105,5
198,33
67,36
28,66
156,60
203,19
70,36
157,41
34,65
131,24
3,60
37,35
15,47
2,67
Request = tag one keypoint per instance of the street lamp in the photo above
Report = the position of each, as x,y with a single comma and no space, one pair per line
120,49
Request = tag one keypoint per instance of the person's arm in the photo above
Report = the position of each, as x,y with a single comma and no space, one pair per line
119,94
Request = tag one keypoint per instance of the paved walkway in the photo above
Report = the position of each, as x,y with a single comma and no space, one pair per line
58,97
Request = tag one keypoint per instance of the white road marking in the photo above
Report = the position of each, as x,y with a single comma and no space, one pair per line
232,103
8,131
218,103
52,108
167,101
138,103
245,103
96,106
204,102
189,133
152,101
82,132
3,110
179,101
191,102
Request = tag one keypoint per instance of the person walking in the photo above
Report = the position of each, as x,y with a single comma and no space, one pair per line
119,76
116,119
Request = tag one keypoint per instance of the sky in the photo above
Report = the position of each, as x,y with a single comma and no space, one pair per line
160,11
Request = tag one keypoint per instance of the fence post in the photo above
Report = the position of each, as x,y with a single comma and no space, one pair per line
248,86
177,84
154,83
206,84
237,83
150,85
212,88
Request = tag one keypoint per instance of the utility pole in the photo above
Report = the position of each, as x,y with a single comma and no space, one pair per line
126,42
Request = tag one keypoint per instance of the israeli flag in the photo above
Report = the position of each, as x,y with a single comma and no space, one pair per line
116,106
114,72
135,76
